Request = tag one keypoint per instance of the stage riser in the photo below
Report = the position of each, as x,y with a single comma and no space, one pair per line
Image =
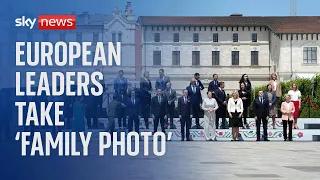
246,135
302,123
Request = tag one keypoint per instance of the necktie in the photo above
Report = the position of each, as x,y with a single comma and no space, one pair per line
170,91
185,100
193,89
159,99
261,100
197,83
132,100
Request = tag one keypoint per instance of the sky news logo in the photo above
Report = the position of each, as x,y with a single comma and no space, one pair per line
48,22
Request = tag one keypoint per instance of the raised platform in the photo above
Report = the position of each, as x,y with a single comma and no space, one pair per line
303,134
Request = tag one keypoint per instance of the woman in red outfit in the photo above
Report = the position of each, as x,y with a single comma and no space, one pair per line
295,95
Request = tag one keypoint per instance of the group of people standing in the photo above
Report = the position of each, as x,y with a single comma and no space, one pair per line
135,103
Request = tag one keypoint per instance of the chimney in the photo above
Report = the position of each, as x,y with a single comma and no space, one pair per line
128,9
116,11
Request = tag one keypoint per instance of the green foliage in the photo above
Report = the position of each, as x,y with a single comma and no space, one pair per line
305,86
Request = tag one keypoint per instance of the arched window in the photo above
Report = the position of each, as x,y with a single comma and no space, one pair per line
119,37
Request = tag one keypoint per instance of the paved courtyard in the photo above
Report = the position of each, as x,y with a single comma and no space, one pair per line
231,161
183,161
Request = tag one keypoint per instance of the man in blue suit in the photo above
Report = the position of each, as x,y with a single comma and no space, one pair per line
214,84
194,94
162,80
133,112
120,83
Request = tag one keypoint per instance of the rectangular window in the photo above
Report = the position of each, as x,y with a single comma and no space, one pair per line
195,37
156,57
309,55
95,38
176,58
156,37
215,37
254,37
215,57
235,37
195,58
254,57
235,57
176,37
46,37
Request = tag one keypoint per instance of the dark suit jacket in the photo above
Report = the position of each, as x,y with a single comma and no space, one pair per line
213,85
184,109
220,96
145,85
161,83
170,97
199,84
132,109
195,98
246,103
261,110
159,109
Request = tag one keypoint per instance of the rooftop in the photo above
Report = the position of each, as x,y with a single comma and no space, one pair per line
279,24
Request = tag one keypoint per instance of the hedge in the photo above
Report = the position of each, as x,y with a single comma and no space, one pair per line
305,86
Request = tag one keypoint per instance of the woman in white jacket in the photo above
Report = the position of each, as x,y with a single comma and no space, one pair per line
209,106
235,109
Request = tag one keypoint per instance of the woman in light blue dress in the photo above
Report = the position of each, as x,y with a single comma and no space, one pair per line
78,124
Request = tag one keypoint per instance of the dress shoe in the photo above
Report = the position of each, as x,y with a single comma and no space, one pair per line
199,127
173,126
285,139
258,140
266,140
290,139
182,139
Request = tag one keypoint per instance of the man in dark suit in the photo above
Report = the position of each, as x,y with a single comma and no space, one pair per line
220,96
122,98
145,97
214,84
171,97
185,114
194,93
133,112
198,82
261,111
158,110
162,80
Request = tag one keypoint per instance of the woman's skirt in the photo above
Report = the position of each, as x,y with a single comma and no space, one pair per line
297,110
235,120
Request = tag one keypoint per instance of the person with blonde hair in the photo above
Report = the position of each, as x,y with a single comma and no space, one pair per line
235,109
209,106
295,95
287,109
276,85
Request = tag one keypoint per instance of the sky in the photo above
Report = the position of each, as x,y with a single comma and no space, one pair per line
172,7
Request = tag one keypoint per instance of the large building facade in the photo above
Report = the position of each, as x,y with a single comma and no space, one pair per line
230,46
